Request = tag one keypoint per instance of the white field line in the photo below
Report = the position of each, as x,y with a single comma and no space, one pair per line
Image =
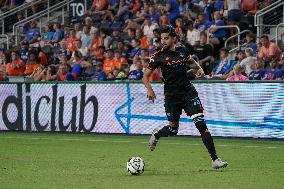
128,141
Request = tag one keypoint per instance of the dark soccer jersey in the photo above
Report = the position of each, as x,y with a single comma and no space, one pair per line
173,67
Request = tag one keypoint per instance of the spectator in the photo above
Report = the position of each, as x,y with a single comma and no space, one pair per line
249,6
193,35
79,48
234,13
250,42
149,27
112,74
258,72
77,68
204,52
269,51
105,39
224,66
164,20
123,11
48,34
123,71
37,75
62,72
136,49
71,41
154,14
86,37
183,6
136,75
144,53
16,67
32,63
143,39
89,23
108,65
99,74
58,34
115,38
237,74
219,6
33,33
100,54
78,30
95,43
201,24
24,51
118,60
273,73
50,73
98,5
172,9
217,33
249,61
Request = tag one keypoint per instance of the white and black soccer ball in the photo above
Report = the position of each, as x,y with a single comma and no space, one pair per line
135,166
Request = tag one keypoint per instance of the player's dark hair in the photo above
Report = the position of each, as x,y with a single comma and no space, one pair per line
168,29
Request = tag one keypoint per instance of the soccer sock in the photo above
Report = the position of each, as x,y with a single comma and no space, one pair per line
166,131
206,136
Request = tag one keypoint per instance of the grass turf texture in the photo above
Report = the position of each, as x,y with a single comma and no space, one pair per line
67,161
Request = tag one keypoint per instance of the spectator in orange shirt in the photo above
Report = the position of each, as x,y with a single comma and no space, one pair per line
144,43
32,63
109,62
249,6
100,53
98,5
95,43
118,59
269,51
62,72
16,67
71,41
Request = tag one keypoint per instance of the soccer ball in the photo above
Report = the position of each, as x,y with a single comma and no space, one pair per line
135,166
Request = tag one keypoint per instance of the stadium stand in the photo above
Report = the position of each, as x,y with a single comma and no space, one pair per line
114,39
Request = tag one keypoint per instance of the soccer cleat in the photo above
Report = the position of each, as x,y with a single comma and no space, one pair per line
218,163
153,140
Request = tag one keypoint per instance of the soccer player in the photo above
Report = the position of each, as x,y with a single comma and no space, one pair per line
179,92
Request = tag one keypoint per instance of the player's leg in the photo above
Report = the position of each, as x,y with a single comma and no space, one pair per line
194,109
173,111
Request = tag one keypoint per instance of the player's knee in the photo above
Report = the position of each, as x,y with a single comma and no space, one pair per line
174,124
173,131
200,123
173,128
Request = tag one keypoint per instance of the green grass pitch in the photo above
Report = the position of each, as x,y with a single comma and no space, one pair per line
83,161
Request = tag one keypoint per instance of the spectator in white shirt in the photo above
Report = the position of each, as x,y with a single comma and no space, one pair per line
193,35
149,27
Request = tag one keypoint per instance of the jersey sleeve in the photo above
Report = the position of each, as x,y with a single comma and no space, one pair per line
153,63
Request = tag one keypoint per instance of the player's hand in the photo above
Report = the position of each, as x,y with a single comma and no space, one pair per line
151,95
200,73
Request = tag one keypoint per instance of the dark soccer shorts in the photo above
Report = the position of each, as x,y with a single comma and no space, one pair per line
190,103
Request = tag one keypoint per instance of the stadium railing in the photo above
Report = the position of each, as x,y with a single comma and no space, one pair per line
4,39
9,18
226,27
62,7
268,18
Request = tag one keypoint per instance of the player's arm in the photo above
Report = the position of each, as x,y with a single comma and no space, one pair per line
193,64
150,92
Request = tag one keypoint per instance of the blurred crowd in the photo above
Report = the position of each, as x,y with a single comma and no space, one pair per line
115,39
